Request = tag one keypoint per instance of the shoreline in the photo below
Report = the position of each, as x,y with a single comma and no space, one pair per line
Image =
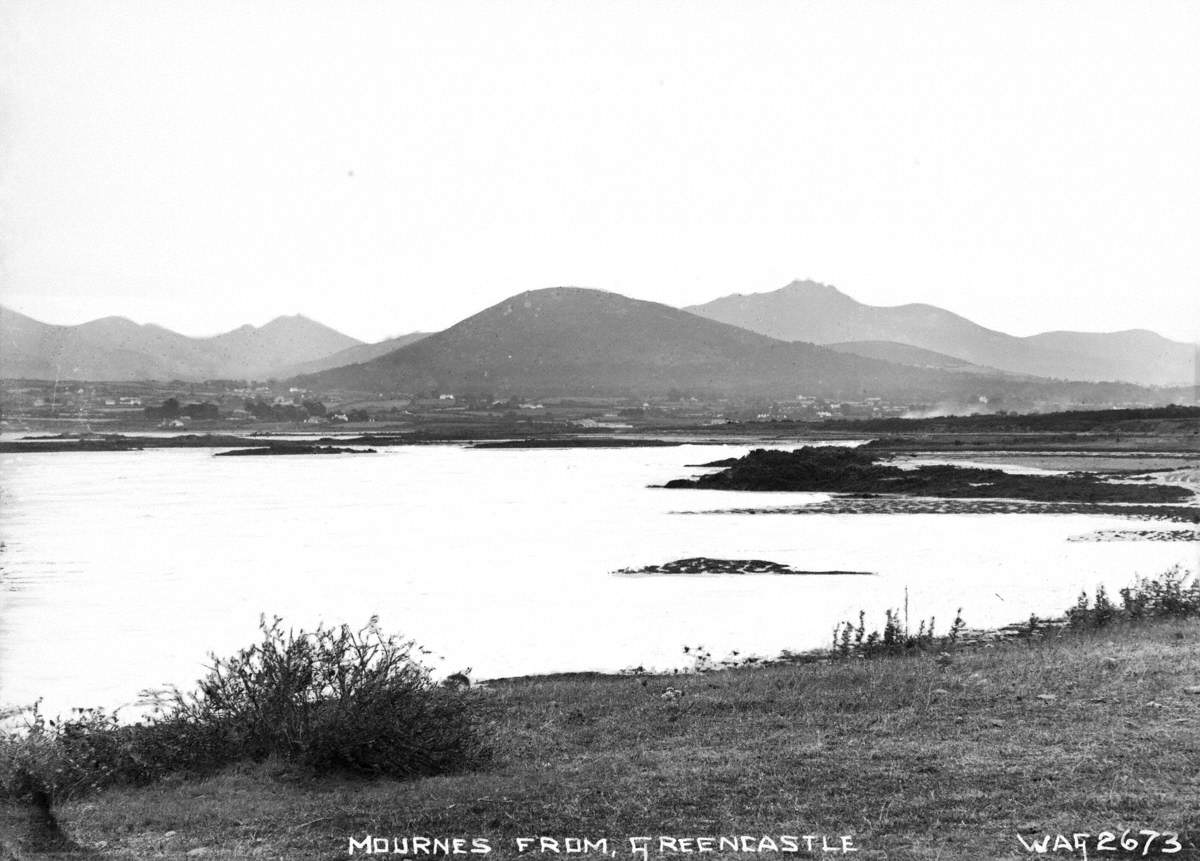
1171,432
739,745
741,751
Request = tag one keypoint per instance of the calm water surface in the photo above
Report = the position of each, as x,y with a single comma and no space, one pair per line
122,570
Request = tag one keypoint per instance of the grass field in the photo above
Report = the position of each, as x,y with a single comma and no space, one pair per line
910,757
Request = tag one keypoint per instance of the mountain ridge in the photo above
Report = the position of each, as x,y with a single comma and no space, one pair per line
354,355
116,348
916,336
818,313
570,340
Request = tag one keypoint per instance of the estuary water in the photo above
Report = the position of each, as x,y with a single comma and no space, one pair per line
121,571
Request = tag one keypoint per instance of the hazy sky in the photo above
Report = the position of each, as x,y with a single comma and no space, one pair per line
391,166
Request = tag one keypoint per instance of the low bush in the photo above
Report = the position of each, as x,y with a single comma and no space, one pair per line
337,699
703,661
332,700
851,640
1174,594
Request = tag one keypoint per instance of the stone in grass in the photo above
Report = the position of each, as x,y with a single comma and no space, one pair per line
1047,698
1192,689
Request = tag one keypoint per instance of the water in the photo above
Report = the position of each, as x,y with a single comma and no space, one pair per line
122,570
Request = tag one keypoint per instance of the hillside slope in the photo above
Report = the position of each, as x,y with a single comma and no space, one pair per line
906,354
578,341
114,348
355,355
821,314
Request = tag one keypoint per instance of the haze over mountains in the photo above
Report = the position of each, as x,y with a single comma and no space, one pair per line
114,348
569,340
906,354
806,338
821,314
575,341
355,355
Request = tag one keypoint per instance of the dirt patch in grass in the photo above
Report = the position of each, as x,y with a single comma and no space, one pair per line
27,831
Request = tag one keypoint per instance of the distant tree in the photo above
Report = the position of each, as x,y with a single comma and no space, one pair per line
260,409
205,410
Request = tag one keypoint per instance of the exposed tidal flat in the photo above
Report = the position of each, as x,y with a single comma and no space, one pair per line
123,569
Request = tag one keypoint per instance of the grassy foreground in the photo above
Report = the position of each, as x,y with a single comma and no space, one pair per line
914,757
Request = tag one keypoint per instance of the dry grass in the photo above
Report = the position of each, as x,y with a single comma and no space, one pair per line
914,758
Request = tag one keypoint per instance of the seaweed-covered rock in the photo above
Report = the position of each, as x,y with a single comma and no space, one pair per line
836,469
706,565
292,448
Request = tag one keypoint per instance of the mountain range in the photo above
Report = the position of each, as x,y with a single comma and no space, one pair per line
806,338
354,355
114,348
569,340
575,341
821,314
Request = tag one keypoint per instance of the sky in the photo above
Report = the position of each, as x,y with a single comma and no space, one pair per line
385,167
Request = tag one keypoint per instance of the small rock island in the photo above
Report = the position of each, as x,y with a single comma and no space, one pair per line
284,448
705,565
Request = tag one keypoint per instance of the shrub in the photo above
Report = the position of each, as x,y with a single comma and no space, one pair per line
703,661
1174,594
336,699
329,700
29,761
51,759
850,640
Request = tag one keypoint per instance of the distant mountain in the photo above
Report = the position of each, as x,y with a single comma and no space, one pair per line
820,314
355,355
111,348
906,354
1162,361
114,348
569,340
281,343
